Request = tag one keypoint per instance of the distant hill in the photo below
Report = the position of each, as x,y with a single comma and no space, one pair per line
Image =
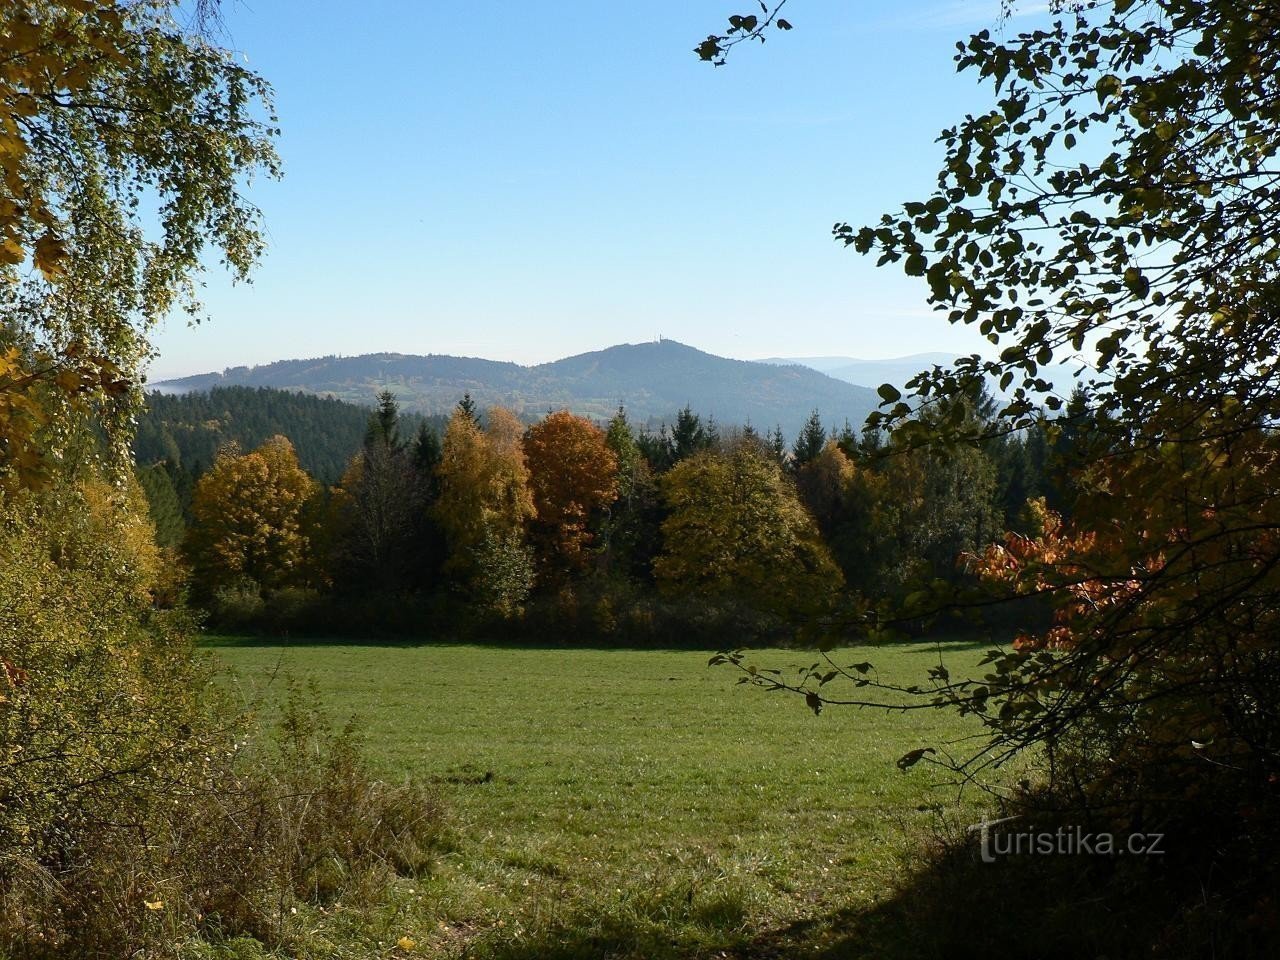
898,370
653,381
188,429
869,373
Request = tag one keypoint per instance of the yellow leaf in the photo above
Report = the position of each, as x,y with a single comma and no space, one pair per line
407,944
11,251
68,381
50,250
154,904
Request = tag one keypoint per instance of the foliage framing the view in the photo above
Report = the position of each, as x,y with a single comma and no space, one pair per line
125,140
1118,206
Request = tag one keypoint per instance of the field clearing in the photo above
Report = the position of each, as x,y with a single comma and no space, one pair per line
634,802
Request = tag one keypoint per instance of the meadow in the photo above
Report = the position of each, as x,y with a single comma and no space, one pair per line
625,802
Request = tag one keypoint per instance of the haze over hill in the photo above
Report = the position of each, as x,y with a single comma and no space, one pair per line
869,373
652,380
898,370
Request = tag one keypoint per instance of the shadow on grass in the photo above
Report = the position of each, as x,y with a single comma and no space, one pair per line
953,906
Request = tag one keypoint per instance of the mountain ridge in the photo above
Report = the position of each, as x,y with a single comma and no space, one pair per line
653,380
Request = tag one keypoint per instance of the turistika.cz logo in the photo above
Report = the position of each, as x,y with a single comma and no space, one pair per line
995,841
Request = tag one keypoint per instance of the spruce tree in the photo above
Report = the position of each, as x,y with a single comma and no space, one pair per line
813,437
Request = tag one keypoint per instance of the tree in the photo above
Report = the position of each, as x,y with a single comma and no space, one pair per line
427,546
777,444
384,426
163,505
1119,200
823,481
375,508
483,508
632,535
247,514
655,449
426,451
933,506
1119,203
573,475
810,442
621,441
737,534
467,407
104,106
689,436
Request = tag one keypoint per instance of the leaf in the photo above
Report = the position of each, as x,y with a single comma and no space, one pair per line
1137,283
889,393
708,49
784,24
814,702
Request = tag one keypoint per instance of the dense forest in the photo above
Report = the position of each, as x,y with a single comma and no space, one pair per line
186,431
519,524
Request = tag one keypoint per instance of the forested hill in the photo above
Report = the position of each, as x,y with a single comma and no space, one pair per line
187,430
653,380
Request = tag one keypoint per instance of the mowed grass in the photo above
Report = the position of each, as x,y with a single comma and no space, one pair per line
631,803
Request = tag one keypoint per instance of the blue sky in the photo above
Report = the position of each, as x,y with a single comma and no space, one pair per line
529,181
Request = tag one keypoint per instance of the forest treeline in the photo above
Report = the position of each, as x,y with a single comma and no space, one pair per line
571,528
186,431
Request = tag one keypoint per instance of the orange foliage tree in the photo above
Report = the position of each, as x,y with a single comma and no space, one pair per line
573,474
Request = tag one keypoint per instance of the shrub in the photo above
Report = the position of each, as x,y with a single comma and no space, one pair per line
136,809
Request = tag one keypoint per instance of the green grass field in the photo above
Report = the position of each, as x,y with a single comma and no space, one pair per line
629,803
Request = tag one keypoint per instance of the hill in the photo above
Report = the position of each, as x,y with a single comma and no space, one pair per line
869,373
653,380
898,370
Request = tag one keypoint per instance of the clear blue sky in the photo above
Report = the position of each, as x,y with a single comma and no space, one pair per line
529,181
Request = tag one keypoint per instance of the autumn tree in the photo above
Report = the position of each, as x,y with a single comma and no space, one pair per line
823,483
737,534
107,110
1116,205
247,512
573,475
484,506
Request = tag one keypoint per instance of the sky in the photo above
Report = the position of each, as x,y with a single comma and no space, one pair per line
525,182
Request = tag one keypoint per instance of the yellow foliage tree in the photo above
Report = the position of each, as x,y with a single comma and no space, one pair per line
102,104
824,483
484,505
248,515
738,534
573,474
